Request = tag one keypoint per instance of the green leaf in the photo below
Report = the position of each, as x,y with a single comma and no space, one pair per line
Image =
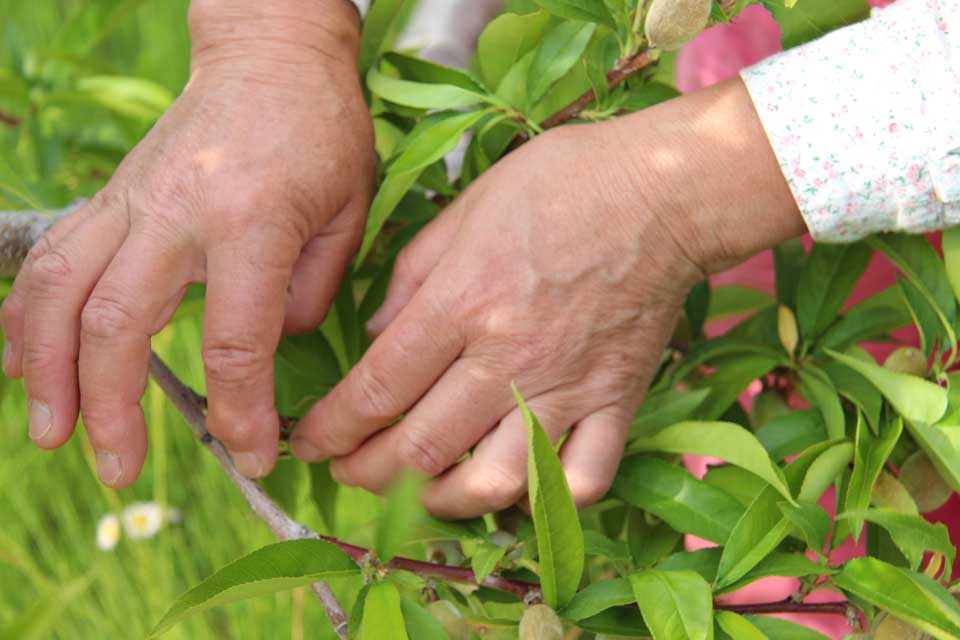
792,432
824,470
382,615
870,454
778,629
819,392
377,27
505,40
912,597
305,368
733,300
485,559
403,513
724,440
277,567
590,10
942,446
912,534
558,51
810,19
738,627
286,483
598,597
420,70
649,542
703,562
730,380
696,305
950,243
559,536
915,399
739,483
675,496
420,625
323,491
789,565
864,322
858,390
788,261
421,95
810,520
676,605
762,526
665,408
829,275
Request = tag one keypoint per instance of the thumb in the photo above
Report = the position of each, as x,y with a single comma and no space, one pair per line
414,263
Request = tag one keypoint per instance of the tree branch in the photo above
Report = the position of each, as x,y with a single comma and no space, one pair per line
9,120
20,230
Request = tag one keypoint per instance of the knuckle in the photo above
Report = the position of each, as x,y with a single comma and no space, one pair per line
37,356
421,452
42,246
50,270
10,312
374,399
232,364
106,316
494,487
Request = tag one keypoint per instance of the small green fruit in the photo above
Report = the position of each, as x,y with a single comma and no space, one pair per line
909,360
540,622
787,329
673,23
446,552
889,493
506,539
922,481
891,628
450,618
767,405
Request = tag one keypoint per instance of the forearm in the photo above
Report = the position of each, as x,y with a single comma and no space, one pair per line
277,32
703,163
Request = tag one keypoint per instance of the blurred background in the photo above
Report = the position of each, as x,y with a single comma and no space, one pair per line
81,81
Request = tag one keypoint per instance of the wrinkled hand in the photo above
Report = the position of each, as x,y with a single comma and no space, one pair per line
562,269
256,182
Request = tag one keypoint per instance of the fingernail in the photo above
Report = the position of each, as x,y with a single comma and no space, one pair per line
41,420
109,467
304,450
248,464
7,358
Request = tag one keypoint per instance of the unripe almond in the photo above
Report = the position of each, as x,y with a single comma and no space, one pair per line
673,23
448,552
787,329
540,622
450,618
767,405
889,493
922,480
891,628
909,360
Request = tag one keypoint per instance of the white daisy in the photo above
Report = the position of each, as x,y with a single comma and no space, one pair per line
108,532
142,520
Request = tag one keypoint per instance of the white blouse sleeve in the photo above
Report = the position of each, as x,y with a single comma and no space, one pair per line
865,122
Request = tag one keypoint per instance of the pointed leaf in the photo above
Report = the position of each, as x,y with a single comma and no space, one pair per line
556,54
382,615
676,605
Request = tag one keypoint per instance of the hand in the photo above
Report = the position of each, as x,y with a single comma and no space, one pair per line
256,181
563,269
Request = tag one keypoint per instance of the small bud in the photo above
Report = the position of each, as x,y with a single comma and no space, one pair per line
923,482
540,622
506,540
909,360
787,329
767,405
673,23
446,552
450,618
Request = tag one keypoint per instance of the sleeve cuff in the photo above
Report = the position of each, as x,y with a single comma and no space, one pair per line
864,122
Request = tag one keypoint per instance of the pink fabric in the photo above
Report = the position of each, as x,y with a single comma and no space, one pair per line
718,54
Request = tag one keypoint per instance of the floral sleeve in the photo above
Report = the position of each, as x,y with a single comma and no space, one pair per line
866,122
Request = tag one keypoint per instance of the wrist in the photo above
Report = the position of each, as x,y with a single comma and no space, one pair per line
295,32
705,169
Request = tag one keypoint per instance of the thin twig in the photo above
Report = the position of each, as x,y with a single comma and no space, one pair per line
9,120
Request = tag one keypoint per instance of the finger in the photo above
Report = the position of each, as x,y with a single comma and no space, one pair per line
316,276
15,304
60,282
467,401
135,298
494,477
591,455
246,293
414,263
400,366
